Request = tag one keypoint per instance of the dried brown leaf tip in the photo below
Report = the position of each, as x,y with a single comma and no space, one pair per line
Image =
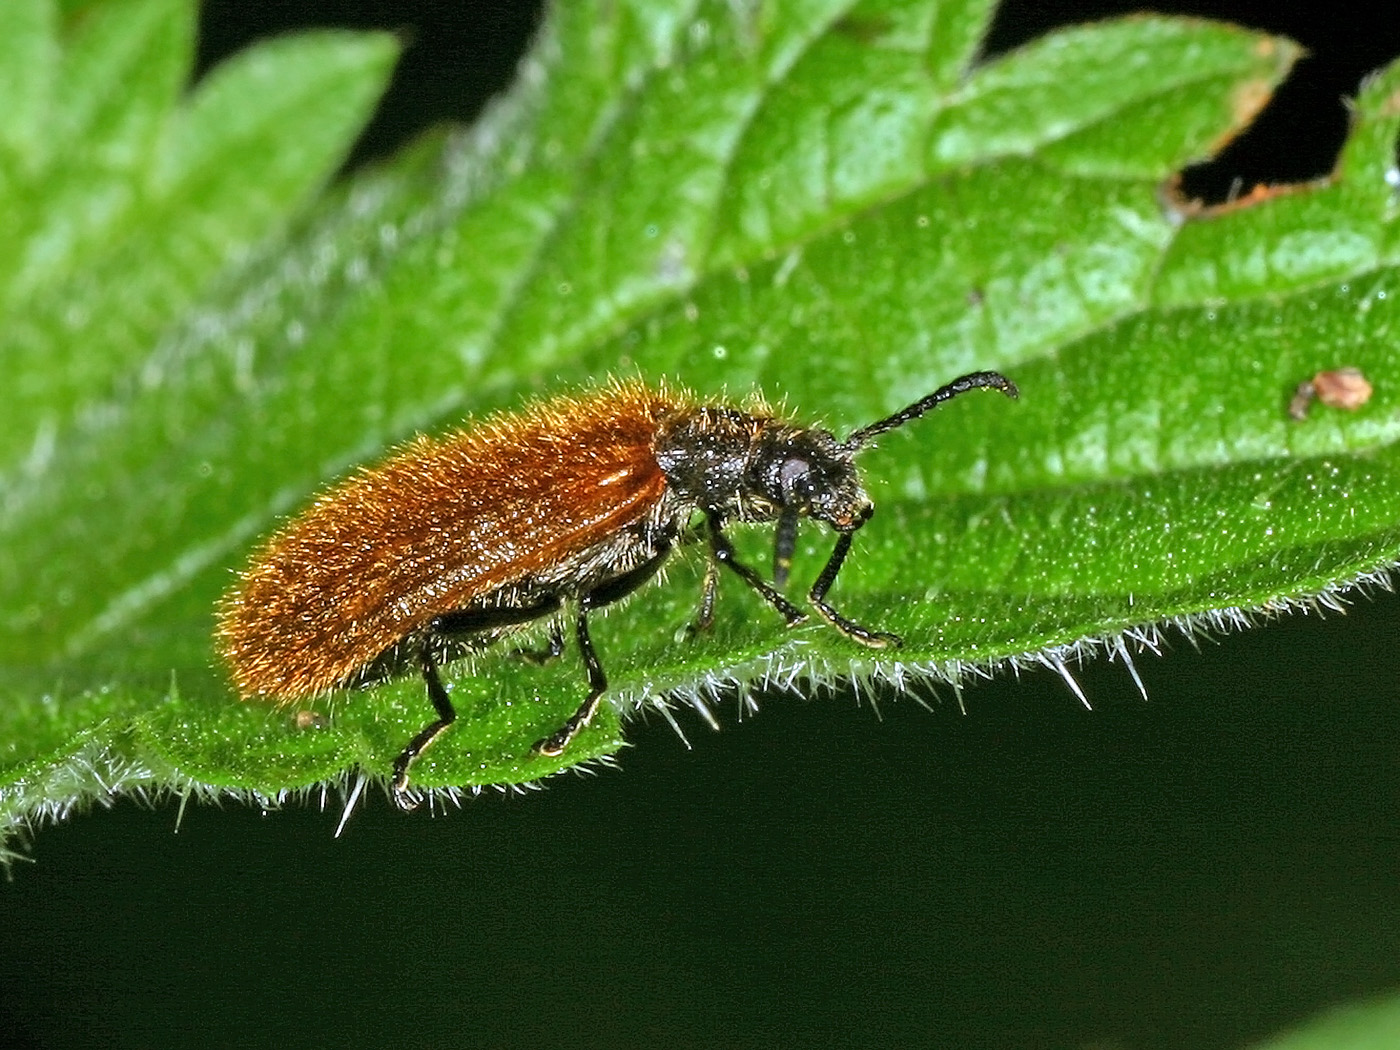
1346,388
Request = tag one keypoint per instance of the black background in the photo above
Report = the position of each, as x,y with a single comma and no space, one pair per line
1193,871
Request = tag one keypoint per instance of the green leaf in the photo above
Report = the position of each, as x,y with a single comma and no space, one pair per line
836,203
27,61
1370,1025
138,201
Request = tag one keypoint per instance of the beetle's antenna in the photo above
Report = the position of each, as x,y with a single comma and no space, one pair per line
961,385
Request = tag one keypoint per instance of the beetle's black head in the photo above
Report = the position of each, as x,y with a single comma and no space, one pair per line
743,467
747,467
808,473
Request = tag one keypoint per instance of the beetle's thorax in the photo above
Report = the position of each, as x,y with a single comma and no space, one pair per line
753,468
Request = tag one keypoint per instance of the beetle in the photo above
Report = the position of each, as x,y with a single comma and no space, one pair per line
552,512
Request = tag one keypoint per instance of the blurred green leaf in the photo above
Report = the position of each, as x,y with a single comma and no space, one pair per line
835,202
132,202
1371,1025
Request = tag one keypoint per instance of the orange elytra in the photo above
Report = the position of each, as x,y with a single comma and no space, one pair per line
547,513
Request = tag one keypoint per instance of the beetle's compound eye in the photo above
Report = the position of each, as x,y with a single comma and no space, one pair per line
794,480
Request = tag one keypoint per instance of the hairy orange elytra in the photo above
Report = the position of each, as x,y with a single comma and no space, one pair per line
550,512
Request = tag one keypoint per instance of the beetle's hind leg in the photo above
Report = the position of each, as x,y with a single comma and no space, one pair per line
448,626
446,715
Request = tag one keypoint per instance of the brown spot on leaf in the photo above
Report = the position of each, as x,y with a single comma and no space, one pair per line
1346,388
